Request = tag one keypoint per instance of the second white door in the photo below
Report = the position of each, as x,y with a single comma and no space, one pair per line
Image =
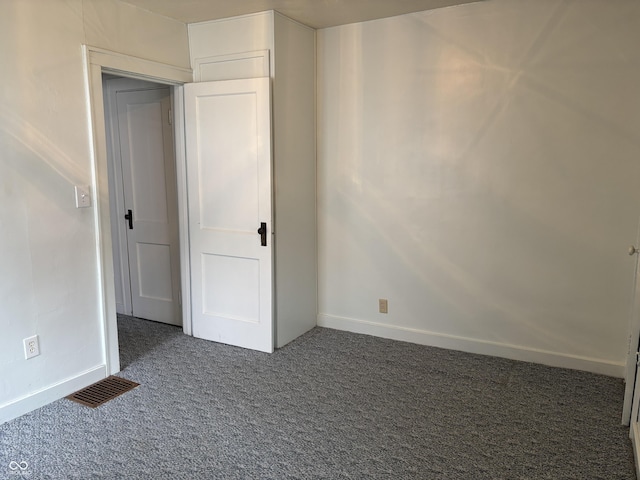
148,216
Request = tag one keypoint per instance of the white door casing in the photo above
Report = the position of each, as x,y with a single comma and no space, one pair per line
98,61
146,156
229,182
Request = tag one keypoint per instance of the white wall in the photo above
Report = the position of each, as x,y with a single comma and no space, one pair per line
479,167
48,265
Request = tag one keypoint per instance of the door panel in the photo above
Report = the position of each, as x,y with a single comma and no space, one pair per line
222,277
144,144
233,151
154,271
149,185
228,143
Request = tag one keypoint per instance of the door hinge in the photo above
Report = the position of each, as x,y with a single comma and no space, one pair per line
180,298
170,117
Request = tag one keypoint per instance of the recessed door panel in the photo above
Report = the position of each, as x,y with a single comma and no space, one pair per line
147,171
154,271
231,287
229,162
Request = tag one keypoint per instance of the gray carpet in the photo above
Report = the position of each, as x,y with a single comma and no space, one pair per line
330,405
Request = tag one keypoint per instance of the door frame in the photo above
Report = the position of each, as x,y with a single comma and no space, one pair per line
96,62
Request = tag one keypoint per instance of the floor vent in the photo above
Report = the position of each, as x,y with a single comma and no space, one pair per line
102,391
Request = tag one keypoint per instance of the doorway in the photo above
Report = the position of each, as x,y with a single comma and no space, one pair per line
98,62
143,198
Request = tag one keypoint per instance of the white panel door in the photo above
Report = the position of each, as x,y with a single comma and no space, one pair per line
149,184
228,145
631,374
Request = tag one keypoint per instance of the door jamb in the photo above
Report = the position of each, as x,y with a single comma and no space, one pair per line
96,62
117,204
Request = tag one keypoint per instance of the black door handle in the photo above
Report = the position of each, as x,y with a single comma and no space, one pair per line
129,218
263,234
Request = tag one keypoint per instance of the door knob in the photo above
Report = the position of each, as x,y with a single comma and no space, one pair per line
633,250
129,218
263,234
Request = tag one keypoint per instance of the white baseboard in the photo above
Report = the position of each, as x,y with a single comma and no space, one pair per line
451,342
35,400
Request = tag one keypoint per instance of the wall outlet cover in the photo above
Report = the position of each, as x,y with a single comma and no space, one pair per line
383,305
31,347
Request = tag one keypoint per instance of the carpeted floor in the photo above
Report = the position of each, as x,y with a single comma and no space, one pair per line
330,405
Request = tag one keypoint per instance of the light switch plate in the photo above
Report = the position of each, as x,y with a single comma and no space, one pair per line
83,197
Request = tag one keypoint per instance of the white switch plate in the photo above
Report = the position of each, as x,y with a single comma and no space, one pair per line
83,197
31,347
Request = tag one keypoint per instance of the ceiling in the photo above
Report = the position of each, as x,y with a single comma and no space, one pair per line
314,13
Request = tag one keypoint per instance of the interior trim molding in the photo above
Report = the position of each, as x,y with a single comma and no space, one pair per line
233,66
470,345
34,400
136,67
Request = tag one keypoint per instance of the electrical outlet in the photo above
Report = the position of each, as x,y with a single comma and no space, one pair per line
383,305
31,347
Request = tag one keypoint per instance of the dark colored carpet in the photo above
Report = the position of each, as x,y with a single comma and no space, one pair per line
330,405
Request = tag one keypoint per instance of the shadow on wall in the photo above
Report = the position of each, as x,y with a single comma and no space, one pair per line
39,150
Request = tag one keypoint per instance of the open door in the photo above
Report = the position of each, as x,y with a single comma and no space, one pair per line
143,187
229,183
631,387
